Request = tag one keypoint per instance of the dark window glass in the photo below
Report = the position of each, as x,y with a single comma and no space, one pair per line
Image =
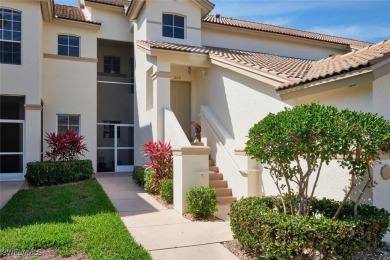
179,21
168,31
112,65
173,26
167,19
179,33
12,107
65,122
69,45
10,36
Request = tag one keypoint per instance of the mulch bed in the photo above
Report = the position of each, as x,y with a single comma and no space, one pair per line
375,254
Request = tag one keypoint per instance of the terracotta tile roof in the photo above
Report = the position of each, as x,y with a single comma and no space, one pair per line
283,30
70,13
339,64
121,3
292,69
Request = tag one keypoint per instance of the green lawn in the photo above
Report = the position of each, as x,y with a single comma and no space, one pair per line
73,218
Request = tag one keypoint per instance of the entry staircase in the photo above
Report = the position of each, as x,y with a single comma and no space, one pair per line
224,193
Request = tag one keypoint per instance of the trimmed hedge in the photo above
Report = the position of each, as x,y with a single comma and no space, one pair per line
138,175
202,201
149,182
262,228
166,190
52,173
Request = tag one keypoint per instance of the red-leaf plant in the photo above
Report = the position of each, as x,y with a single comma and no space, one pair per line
65,147
161,160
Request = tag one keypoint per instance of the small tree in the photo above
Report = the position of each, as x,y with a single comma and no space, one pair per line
294,144
366,137
161,160
65,147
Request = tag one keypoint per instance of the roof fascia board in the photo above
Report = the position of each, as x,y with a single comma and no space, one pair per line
134,9
380,69
255,74
79,24
105,6
179,58
47,10
206,6
349,79
271,35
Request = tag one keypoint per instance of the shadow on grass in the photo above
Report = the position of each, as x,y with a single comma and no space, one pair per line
55,204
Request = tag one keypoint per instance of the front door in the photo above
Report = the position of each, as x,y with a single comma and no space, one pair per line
181,104
115,147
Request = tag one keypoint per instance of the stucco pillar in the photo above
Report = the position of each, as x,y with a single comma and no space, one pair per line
249,168
33,136
190,170
381,106
161,99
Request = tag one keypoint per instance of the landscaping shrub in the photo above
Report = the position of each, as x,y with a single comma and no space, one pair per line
65,147
202,201
51,173
161,161
166,190
260,225
149,182
138,175
295,144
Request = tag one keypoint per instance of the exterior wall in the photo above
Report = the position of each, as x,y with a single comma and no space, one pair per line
191,12
381,94
26,79
115,25
70,86
233,38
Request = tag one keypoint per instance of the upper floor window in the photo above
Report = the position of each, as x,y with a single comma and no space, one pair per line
112,65
173,26
69,45
10,36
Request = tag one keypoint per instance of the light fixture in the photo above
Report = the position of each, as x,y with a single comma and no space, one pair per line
204,74
385,172
189,70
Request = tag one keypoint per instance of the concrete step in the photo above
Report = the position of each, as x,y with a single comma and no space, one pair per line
197,143
214,169
224,192
226,199
211,163
215,176
218,184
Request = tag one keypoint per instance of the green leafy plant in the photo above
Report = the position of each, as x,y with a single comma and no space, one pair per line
260,225
166,190
52,173
161,161
296,143
149,185
202,201
138,175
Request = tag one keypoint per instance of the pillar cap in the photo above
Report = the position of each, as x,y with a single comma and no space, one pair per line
191,150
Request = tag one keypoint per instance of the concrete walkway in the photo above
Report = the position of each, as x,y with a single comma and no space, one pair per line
163,232
7,190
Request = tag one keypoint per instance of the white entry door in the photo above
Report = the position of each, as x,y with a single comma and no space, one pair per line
115,147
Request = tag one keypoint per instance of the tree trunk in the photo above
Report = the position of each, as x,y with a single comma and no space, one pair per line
353,185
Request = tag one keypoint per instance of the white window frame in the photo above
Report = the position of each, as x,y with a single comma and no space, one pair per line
68,45
173,26
68,125
12,31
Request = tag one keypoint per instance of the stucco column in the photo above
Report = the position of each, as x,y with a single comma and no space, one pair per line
249,168
33,136
190,170
161,99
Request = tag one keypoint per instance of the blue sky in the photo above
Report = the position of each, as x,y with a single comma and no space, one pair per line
366,20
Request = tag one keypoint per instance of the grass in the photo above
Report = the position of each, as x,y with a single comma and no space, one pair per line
72,218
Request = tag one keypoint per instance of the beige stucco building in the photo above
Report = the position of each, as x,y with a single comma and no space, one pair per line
124,72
